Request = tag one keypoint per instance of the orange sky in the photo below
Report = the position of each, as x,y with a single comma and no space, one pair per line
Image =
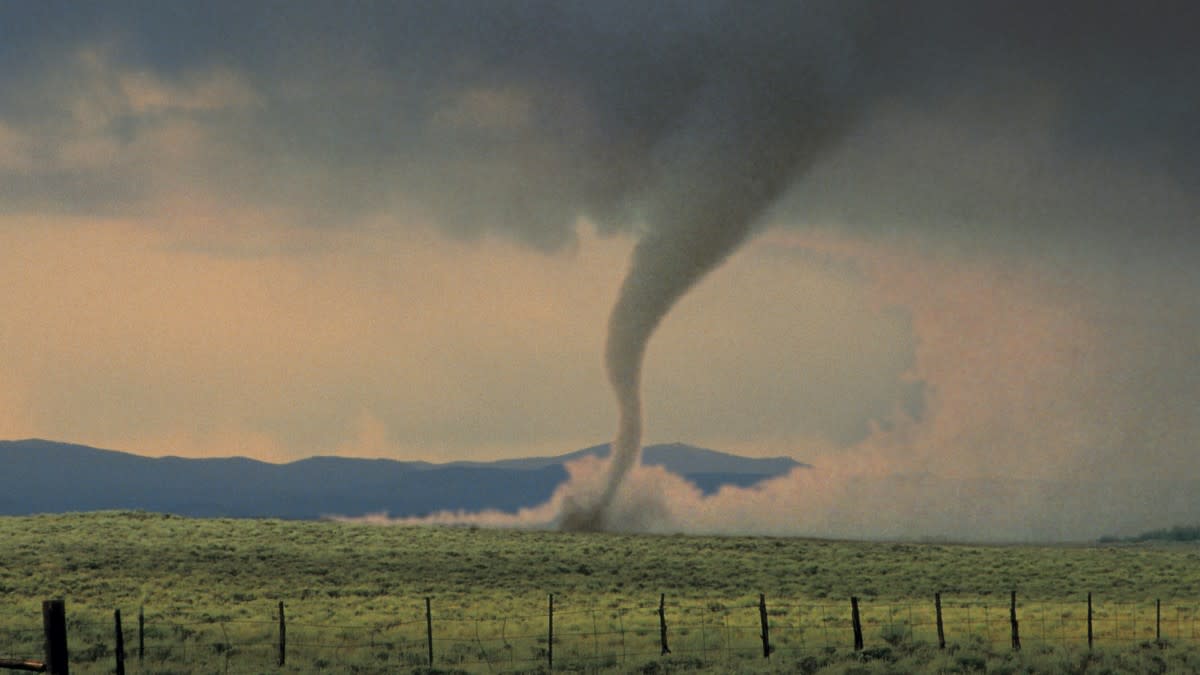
411,345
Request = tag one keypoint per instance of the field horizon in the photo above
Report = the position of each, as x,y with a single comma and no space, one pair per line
355,596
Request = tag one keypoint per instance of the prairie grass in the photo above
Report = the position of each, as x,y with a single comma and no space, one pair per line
355,599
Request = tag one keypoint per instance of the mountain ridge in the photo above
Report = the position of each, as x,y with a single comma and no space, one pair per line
98,479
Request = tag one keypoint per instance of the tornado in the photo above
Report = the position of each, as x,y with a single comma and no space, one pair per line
710,182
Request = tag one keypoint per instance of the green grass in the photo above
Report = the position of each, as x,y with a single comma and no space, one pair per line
355,599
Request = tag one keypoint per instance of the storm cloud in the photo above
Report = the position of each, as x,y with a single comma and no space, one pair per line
524,117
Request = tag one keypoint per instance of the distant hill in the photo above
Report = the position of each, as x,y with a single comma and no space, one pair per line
677,458
90,479
1176,533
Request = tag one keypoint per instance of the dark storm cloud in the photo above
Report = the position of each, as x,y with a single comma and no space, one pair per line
1043,122
519,117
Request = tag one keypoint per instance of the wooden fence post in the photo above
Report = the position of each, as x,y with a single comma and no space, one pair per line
141,632
54,625
282,636
937,606
550,636
1012,617
429,629
1158,621
766,629
120,642
1089,621
857,623
662,623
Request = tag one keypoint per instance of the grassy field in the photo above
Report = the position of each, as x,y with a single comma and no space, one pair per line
355,599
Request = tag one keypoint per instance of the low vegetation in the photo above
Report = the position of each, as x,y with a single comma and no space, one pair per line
355,599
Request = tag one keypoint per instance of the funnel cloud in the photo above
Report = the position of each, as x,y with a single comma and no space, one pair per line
749,137
751,131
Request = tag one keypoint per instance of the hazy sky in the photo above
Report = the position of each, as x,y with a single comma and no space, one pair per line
286,229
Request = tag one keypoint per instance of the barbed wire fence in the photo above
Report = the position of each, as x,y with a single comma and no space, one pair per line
579,634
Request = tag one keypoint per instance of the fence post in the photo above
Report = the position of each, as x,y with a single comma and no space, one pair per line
54,625
550,636
937,606
141,632
621,625
596,637
766,629
1012,617
282,636
857,623
429,629
662,623
1158,621
120,642
1089,621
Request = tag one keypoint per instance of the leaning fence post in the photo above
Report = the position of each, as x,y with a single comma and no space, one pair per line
429,629
937,606
662,623
120,642
1012,617
550,636
54,625
766,629
857,623
282,636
